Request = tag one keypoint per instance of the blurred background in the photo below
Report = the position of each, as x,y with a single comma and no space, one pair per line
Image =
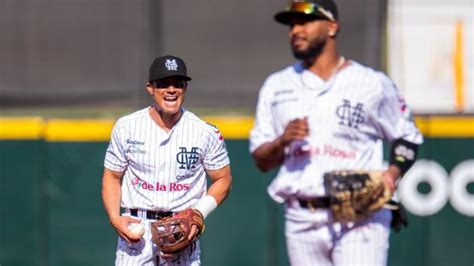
70,68
84,53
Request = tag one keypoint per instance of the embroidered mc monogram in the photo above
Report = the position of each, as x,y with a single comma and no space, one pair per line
350,115
187,159
171,64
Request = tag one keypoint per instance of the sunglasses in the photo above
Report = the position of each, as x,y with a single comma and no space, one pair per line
310,9
166,84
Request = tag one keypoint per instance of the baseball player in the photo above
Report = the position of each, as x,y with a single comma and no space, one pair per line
324,113
156,165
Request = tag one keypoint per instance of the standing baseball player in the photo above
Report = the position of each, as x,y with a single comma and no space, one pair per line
156,165
325,113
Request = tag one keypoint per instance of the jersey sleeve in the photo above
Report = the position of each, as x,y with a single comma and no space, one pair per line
216,156
115,156
263,130
392,117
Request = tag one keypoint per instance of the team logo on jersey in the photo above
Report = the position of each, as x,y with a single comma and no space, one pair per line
187,159
350,115
171,64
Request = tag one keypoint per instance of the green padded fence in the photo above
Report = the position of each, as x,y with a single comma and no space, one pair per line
51,210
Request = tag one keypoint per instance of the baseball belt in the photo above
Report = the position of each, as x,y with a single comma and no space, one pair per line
315,203
152,215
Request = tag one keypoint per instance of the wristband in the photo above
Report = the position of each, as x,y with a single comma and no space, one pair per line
206,205
403,154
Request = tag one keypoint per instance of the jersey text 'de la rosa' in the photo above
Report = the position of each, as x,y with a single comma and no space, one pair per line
172,187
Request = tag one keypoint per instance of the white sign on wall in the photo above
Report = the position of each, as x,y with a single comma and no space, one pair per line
445,187
430,53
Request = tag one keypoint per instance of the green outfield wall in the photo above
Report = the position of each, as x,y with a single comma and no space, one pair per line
51,211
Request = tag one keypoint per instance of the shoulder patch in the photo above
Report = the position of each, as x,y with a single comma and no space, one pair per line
216,131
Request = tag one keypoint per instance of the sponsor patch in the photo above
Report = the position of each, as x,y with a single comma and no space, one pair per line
171,187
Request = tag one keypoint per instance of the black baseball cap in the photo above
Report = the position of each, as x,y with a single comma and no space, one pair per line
312,9
168,66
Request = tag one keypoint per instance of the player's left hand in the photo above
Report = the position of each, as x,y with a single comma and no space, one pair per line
355,195
389,181
193,233
168,256
173,234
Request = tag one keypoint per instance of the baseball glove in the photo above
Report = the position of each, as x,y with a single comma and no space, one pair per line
355,195
171,234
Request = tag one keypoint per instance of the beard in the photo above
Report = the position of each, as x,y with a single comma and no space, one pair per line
314,50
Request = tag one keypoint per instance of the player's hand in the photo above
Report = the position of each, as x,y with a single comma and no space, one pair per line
167,255
296,129
389,180
193,232
192,236
121,223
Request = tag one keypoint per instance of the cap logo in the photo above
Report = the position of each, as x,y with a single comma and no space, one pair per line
326,12
171,64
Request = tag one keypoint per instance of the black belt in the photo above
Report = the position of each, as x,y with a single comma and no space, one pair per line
315,203
153,215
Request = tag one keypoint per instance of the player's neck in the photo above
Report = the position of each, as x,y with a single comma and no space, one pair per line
163,120
325,64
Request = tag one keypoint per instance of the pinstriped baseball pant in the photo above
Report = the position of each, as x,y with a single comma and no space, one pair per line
318,241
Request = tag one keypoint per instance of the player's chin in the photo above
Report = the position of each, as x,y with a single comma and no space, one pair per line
299,51
172,108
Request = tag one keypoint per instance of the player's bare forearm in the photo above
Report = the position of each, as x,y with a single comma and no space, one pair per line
221,183
111,193
269,155
391,175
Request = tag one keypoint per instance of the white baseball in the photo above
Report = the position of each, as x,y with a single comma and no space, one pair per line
137,229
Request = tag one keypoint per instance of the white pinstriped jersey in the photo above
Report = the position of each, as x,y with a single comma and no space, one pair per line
164,171
348,117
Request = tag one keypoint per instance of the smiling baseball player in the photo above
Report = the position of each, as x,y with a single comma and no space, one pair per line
156,165
327,113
